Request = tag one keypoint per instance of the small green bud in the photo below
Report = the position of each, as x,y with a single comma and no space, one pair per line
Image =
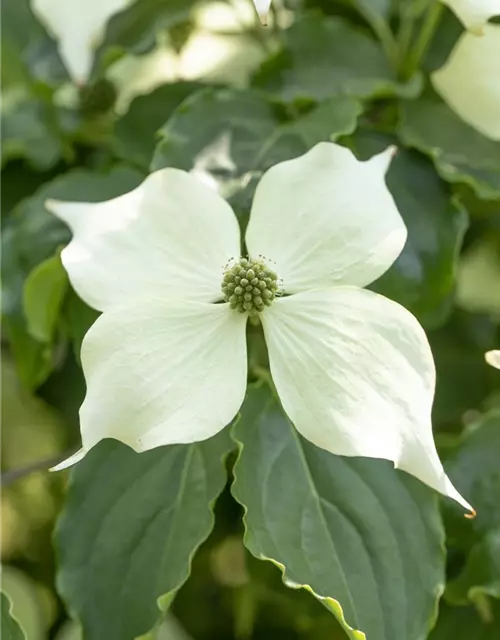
244,282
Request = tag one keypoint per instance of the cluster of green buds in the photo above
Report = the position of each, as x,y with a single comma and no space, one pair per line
249,286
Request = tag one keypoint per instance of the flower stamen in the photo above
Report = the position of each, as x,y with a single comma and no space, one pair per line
249,286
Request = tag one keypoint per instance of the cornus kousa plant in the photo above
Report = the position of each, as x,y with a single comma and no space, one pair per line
167,361
251,319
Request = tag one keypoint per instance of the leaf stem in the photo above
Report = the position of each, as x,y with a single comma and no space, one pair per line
429,26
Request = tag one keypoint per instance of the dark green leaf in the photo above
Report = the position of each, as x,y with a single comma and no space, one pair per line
19,181
465,623
130,528
474,466
11,629
216,131
135,28
365,538
78,318
423,277
43,295
27,46
323,57
230,137
460,153
464,380
135,132
30,130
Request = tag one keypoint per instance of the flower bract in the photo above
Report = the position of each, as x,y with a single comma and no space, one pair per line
166,362
474,13
262,7
469,80
78,26
493,358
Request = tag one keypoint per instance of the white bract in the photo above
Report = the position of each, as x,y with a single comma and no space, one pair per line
474,13
262,7
493,358
469,81
79,27
166,362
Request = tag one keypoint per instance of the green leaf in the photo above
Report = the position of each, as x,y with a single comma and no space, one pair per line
30,130
21,591
27,46
131,525
216,131
323,57
10,629
474,465
43,295
423,277
78,317
134,30
463,380
31,429
460,153
231,137
466,624
135,132
364,538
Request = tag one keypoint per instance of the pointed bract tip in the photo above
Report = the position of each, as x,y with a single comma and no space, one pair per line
383,160
493,358
471,515
477,30
50,203
68,462
262,8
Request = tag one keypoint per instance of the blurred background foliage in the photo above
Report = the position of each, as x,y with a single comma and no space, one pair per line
202,86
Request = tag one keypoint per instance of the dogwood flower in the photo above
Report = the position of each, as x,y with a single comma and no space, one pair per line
166,362
493,358
469,80
78,26
474,14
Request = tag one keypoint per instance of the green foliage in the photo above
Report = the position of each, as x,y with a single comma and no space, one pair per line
366,539
323,57
460,153
423,277
11,629
131,526
474,462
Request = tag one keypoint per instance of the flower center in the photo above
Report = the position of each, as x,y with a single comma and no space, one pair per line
249,286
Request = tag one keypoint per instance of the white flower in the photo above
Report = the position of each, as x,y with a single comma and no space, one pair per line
474,13
79,27
166,362
469,81
493,358
262,7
